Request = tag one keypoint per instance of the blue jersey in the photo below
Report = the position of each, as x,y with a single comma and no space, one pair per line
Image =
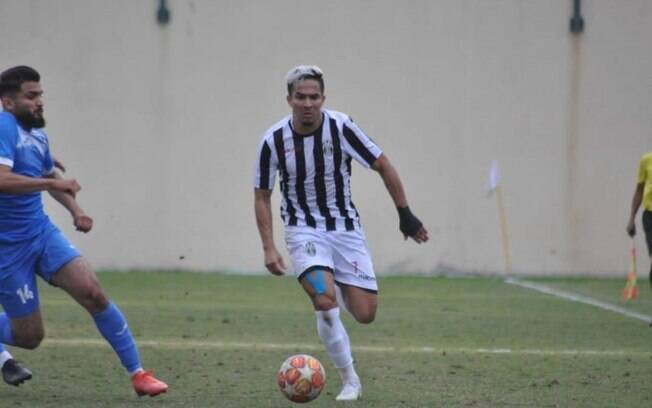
28,154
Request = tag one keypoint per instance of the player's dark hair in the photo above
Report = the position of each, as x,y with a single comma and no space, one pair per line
12,79
316,76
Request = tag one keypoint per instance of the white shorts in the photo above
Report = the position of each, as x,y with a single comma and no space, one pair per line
344,252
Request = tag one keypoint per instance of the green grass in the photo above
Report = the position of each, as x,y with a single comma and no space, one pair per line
216,332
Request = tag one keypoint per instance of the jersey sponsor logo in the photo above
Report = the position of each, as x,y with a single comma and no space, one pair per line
327,147
310,248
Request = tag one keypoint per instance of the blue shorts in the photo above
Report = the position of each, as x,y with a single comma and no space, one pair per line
21,262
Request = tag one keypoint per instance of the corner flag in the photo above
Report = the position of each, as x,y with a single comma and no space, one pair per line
631,290
493,186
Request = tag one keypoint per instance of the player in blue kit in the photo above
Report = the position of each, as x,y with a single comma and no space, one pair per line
30,244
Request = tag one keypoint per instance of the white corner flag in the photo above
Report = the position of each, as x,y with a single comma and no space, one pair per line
494,178
494,188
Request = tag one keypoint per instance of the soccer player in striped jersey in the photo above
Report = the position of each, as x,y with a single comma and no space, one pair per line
31,245
311,150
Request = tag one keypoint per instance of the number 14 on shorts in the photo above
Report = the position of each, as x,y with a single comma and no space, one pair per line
24,294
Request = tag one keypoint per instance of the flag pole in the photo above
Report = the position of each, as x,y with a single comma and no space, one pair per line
631,288
503,229
494,187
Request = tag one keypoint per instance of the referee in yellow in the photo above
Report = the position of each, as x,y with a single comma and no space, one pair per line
643,194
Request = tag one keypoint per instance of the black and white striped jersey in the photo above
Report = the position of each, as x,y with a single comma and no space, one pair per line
315,170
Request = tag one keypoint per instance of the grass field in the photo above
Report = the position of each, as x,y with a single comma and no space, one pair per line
437,342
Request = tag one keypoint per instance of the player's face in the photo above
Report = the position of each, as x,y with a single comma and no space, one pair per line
27,105
306,101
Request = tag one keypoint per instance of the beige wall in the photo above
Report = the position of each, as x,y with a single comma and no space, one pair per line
160,124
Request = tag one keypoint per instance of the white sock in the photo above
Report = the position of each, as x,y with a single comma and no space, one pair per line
136,371
4,356
348,375
336,340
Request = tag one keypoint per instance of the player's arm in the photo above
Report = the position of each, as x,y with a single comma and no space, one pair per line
409,224
263,207
12,183
59,164
636,203
82,222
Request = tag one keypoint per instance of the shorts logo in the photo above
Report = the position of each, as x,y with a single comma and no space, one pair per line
327,147
310,248
361,274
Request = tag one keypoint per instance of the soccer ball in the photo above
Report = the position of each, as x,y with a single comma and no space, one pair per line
301,378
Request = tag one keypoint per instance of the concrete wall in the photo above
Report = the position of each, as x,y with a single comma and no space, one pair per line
160,124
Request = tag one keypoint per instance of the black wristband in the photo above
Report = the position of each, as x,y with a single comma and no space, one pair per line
409,224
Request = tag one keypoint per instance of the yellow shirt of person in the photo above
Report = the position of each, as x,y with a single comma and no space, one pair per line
645,176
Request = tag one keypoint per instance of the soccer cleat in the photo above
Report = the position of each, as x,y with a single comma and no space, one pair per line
145,383
15,374
350,392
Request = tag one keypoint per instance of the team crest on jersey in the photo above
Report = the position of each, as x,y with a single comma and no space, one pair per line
310,248
327,147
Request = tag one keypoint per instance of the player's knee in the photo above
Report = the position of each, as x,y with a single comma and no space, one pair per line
365,316
95,299
33,342
324,302
29,339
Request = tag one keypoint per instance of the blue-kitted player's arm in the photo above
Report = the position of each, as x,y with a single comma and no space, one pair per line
82,222
59,165
12,183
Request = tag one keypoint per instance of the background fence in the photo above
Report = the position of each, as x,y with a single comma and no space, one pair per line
160,123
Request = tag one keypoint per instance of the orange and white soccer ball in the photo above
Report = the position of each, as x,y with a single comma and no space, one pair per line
301,378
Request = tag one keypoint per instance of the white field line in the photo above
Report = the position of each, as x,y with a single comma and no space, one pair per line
575,297
218,345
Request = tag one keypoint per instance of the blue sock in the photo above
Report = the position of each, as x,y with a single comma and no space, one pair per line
6,336
113,326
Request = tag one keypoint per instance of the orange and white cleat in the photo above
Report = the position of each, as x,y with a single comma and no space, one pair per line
145,383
